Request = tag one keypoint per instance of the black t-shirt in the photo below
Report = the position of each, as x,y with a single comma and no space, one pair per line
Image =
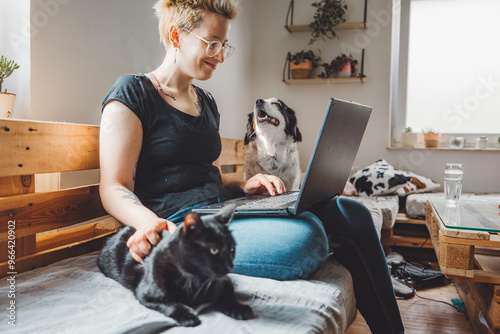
175,167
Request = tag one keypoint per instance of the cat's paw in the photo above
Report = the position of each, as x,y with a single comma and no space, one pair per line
239,311
186,317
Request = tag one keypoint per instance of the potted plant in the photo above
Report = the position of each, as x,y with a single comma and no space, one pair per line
7,100
302,63
431,137
342,66
457,142
329,13
409,138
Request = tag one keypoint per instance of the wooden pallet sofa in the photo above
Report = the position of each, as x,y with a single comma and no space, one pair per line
49,242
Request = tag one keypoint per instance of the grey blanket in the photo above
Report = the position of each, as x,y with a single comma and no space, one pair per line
72,296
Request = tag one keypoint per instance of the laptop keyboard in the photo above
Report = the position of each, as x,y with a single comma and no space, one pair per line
271,202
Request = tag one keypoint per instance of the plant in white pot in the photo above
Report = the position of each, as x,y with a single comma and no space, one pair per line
7,100
409,138
342,66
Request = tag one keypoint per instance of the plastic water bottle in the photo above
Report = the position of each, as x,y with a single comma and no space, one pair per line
453,175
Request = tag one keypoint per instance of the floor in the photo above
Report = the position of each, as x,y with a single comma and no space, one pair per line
421,316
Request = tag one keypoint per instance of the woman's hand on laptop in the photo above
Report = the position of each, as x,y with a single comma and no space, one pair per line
264,184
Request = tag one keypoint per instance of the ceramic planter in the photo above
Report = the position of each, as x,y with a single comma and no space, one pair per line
431,139
345,72
301,70
409,139
7,101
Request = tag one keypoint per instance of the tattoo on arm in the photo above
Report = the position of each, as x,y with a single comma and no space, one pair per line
135,171
130,195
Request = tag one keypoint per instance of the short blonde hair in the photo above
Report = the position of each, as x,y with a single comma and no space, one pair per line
188,14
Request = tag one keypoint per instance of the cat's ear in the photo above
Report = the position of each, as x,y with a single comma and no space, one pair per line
191,222
226,214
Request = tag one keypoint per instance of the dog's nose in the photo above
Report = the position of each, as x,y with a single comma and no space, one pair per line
259,102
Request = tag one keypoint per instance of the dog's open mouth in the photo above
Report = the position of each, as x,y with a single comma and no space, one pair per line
263,117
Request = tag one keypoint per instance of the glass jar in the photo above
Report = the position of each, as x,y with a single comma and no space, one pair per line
482,142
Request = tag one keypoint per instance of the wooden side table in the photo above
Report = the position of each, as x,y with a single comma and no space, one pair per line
466,239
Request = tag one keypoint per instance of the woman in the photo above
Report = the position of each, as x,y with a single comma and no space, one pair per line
160,145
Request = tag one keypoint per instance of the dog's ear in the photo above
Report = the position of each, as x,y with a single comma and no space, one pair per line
250,135
291,128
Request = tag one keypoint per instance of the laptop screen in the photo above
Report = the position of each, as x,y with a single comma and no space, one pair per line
336,147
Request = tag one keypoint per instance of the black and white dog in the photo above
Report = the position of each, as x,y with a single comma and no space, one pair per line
273,134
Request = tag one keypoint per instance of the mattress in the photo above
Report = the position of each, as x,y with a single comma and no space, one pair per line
383,209
416,203
72,296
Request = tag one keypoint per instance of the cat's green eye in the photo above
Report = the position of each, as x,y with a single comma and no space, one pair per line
214,251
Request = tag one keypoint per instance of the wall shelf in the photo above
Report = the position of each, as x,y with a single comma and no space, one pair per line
360,78
291,28
340,26
324,81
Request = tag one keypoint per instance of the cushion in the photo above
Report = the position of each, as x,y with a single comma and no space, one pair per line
388,207
380,178
349,189
416,204
417,184
73,296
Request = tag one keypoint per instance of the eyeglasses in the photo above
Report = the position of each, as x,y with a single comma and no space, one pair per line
213,48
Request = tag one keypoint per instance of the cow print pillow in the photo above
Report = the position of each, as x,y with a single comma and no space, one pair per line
379,178
417,184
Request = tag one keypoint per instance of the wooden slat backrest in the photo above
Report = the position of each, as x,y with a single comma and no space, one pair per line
35,147
233,155
40,212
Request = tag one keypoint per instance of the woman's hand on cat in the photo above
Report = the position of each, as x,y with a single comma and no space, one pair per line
140,242
264,184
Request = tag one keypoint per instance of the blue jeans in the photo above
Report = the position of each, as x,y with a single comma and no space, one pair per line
274,247
295,246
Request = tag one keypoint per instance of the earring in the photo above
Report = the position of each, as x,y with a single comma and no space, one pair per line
175,57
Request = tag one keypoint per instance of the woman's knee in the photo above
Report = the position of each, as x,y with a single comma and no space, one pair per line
279,248
344,215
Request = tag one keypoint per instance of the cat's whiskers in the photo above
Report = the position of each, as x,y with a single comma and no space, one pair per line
203,288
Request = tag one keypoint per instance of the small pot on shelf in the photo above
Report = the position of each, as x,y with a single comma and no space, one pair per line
302,63
409,139
431,139
345,71
7,101
302,70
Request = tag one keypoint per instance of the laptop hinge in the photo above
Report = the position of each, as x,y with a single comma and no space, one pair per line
310,205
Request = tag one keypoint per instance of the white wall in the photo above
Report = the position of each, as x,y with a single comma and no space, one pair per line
82,46
272,42
15,45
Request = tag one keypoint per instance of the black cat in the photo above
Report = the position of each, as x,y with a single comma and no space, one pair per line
186,269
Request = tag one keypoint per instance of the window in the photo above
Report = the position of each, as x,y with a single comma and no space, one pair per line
446,67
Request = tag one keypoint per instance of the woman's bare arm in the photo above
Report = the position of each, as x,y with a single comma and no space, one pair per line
120,145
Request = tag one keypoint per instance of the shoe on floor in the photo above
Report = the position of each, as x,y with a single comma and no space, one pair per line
401,289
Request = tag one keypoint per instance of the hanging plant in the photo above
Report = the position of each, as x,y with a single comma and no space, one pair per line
329,13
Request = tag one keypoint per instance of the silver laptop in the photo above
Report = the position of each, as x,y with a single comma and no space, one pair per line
329,167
